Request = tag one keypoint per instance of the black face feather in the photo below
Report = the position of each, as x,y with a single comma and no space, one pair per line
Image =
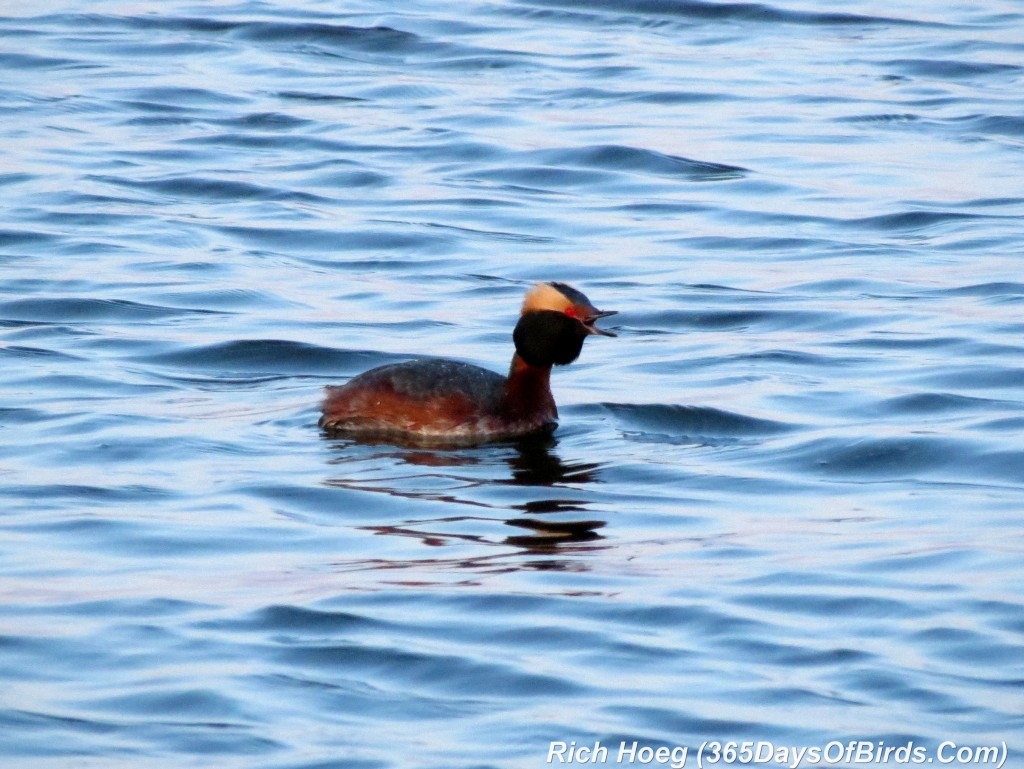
546,337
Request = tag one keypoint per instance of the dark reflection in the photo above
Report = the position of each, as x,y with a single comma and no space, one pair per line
551,526
550,536
537,464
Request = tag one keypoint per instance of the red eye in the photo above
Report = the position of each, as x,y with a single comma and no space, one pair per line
570,311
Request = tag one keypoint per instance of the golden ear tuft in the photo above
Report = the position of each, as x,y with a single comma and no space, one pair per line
544,296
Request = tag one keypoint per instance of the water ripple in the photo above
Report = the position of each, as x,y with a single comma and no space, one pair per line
738,12
86,310
784,504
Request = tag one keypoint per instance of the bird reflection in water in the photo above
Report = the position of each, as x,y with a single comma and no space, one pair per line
551,526
537,464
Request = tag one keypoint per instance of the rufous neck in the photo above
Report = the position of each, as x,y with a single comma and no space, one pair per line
520,367
528,391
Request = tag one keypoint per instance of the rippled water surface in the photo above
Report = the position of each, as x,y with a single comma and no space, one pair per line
783,505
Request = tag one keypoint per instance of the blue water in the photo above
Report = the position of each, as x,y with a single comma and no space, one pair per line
784,505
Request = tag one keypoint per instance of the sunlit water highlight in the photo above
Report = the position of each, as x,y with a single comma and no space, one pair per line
784,505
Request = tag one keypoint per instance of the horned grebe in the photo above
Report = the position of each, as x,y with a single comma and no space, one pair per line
449,401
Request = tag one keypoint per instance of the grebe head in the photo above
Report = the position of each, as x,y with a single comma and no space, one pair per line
555,320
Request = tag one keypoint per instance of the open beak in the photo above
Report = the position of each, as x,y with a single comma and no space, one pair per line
593,317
